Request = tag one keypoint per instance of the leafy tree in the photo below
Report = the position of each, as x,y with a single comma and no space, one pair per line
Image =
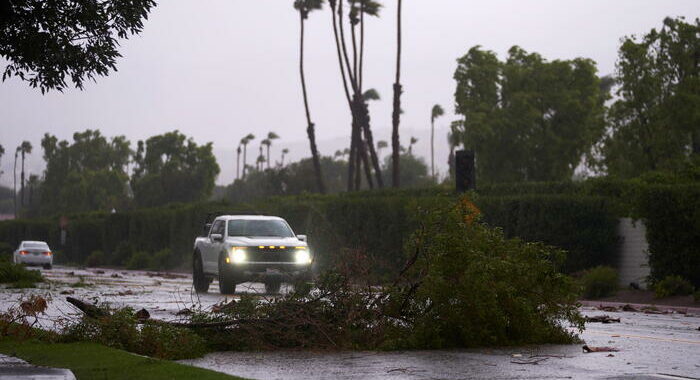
47,41
528,118
305,7
436,112
287,180
414,170
89,174
655,122
172,168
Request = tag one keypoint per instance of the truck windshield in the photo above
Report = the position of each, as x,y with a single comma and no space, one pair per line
276,228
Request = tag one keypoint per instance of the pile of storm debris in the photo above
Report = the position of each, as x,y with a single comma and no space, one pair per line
463,285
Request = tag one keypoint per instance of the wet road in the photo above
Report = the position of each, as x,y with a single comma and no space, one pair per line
650,345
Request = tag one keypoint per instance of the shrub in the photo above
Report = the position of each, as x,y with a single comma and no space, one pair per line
139,260
599,282
163,259
673,286
696,296
95,259
119,329
18,275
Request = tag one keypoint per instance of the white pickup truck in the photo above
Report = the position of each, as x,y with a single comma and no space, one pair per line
243,248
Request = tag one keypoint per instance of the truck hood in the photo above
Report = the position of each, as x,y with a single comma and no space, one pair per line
264,240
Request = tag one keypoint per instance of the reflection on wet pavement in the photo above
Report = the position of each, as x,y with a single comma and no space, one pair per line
650,346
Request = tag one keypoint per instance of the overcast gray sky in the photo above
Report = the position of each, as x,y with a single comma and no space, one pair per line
219,69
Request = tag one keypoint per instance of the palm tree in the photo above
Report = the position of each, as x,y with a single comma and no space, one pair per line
267,143
244,142
14,184
2,152
270,136
25,148
410,145
261,161
453,140
434,114
381,144
238,160
396,114
285,151
305,7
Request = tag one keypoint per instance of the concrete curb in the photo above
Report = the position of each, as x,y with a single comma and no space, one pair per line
18,369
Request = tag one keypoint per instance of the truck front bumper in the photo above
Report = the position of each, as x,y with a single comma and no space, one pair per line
271,271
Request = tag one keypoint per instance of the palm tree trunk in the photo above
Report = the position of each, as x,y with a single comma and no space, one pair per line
238,163
21,183
365,163
432,148
396,114
14,185
245,153
310,131
362,44
268,156
365,123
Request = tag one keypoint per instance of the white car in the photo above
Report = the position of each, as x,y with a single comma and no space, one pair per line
243,248
34,253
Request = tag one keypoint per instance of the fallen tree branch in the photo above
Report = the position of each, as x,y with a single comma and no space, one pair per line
87,309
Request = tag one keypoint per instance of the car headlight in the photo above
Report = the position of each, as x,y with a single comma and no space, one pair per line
238,255
302,256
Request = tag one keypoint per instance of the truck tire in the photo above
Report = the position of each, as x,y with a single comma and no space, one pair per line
227,282
272,287
199,280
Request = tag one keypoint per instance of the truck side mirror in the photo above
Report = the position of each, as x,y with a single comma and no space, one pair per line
217,237
301,237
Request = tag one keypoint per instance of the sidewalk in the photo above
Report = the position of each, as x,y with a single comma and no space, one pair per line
17,369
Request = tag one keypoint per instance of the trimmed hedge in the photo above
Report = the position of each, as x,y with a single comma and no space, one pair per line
584,226
376,224
671,214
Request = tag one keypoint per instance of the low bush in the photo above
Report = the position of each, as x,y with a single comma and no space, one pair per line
119,328
599,282
18,275
139,260
95,259
673,286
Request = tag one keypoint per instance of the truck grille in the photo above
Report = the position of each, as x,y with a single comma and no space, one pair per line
271,255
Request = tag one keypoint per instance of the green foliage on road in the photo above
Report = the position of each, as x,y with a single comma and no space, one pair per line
17,275
94,361
673,286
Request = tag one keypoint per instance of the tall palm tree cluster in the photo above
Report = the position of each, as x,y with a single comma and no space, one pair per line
22,151
362,155
262,158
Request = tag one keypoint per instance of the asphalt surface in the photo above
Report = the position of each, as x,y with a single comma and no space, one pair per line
650,346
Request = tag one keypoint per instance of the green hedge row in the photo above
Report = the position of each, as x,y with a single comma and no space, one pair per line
375,224
671,214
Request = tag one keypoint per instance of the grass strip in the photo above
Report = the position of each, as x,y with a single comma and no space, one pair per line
94,361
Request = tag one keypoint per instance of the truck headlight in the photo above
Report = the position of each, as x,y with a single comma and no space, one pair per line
302,256
239,255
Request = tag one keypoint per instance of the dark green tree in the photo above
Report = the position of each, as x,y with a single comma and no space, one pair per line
87,174
528,118
49,42
414,170
172,168
655,122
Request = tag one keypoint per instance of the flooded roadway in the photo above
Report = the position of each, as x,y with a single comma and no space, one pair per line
650,346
